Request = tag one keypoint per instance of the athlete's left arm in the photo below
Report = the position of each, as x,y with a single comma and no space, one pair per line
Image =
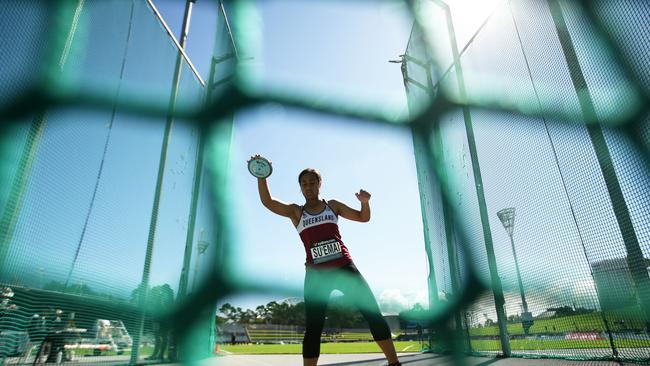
349,213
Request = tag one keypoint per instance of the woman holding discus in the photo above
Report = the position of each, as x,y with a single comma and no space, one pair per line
328,265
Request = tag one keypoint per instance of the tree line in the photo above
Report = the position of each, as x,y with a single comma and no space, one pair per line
339,314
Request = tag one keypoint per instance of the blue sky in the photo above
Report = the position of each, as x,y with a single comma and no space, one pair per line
333,49
339,51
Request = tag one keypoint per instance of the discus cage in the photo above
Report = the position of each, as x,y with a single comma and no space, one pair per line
541,250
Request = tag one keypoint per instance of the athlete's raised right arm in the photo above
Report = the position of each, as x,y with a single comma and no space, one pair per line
274,205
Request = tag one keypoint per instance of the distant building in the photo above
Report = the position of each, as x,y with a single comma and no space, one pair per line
614,283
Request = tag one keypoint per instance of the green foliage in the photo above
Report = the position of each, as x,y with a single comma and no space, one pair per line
416,313
159,298
340,314
568,311
76,289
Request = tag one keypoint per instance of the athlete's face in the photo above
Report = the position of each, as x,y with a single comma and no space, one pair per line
310,186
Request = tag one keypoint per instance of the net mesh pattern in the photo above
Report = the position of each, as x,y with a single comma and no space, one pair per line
540,106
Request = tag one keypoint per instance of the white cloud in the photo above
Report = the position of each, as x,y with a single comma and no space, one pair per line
392,301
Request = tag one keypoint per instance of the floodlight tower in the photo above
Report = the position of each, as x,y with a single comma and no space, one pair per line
201,247
507,217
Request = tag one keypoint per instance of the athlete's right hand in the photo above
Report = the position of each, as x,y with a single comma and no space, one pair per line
258,156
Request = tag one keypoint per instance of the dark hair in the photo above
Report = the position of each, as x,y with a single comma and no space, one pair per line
312,171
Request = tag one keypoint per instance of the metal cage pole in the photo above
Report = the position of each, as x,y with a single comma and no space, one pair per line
497,288
423,173
142,303
198,173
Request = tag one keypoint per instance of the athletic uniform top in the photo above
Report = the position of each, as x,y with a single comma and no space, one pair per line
322,240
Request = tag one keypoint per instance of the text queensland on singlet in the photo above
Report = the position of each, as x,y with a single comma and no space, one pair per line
321,238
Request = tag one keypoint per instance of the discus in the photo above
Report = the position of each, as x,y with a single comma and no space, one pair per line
260,167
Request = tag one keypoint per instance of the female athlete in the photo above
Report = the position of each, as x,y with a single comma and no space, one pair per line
328,265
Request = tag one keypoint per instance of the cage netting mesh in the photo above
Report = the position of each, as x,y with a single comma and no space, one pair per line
540,113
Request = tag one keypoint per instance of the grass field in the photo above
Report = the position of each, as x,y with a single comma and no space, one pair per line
632,317
411,346
144,352
352,347
529,344
268,336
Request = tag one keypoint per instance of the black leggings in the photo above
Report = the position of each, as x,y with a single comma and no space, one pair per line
319,284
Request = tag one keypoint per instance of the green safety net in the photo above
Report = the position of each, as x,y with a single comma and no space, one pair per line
90,235
530,133
538,133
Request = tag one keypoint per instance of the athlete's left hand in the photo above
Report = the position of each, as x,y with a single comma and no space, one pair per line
363,196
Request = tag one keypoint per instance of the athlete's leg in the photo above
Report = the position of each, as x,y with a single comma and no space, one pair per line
354,285
388,348
317,290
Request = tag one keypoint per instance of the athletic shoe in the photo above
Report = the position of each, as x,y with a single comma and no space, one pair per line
391,364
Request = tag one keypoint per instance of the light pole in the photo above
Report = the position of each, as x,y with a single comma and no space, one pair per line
507,217
201,247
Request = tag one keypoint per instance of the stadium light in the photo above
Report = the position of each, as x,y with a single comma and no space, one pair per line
201,247
507,217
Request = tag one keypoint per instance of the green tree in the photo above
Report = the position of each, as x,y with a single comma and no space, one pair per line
228,312
77,289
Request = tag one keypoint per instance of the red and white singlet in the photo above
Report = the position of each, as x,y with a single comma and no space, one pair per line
322,240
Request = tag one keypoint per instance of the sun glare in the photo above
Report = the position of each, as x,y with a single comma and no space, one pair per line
467,17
